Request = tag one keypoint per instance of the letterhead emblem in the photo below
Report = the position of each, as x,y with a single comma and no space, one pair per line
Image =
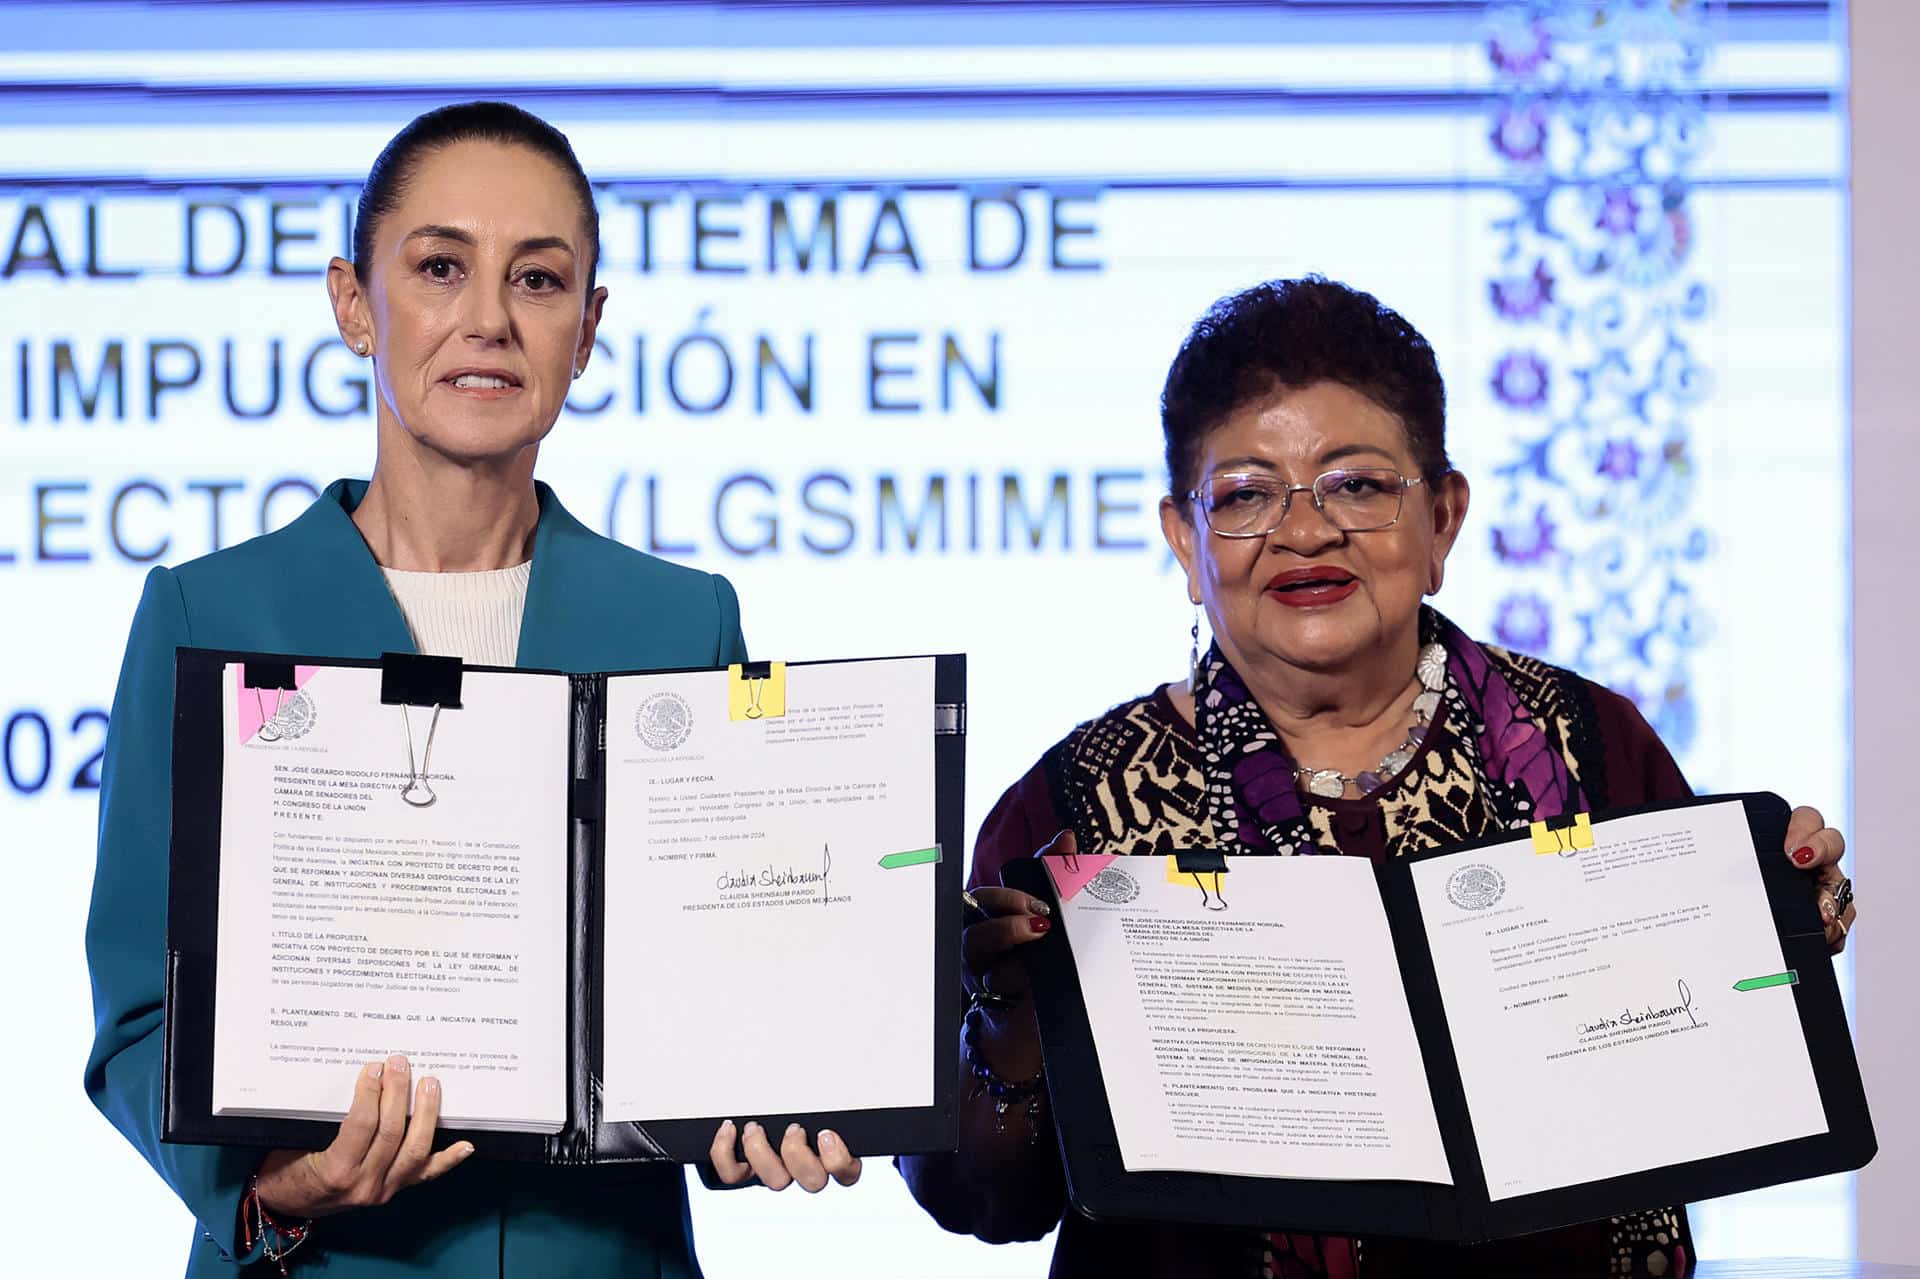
291,720
1475,887
664,721
1114,886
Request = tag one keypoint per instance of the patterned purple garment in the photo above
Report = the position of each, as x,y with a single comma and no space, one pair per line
1511,739
1256,807
1514,747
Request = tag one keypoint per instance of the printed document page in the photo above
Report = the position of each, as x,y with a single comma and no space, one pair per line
354,924
759,956
1251,1022
1592,1003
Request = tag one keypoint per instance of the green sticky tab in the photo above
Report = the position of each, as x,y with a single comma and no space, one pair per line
918,857
1788,978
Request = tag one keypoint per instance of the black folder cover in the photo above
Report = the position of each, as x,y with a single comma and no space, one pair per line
1100,1187
193,913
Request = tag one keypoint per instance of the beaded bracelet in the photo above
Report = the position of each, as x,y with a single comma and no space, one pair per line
278,1239
989,1000
1031,1094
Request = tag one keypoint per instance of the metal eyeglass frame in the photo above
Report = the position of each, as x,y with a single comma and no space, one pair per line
1286,501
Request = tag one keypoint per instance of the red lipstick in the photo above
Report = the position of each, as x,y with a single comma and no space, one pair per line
1312,587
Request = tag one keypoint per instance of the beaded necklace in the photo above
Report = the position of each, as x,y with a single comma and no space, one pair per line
1331,783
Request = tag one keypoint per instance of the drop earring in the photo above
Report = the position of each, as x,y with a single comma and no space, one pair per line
1193,656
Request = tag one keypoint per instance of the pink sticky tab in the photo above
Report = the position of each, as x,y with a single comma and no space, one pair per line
258,705
1071,874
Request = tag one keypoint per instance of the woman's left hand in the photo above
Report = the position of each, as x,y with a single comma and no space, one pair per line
1816,848
793,1162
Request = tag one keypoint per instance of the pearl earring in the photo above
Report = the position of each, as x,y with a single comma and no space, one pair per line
360,348
577,373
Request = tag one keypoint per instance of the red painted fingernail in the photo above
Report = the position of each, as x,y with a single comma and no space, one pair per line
1801,856
1038,924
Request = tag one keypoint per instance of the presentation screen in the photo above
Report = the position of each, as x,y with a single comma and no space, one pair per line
892,293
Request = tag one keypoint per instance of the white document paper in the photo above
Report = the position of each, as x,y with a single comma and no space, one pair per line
354,925
1591,1002
758,958
1251,1023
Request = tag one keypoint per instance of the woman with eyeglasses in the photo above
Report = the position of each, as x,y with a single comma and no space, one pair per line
1312,508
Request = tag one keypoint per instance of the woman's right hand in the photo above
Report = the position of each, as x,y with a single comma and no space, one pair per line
988,962
377,1153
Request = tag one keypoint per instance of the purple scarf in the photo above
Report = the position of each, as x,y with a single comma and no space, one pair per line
1254,805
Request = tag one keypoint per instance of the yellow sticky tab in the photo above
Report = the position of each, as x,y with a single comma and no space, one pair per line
1567,839
756,695
1200,879
1209,878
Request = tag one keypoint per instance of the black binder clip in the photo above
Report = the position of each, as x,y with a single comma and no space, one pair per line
419,679
1565,835
1199,861
275,675
756,690
1193,863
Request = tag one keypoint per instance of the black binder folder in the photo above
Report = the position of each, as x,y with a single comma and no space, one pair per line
1101,1188
587,1137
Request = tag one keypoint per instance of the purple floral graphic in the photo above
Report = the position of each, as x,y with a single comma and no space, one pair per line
1523,297
1524,543
1619,211
1520,380
1619,460
1598,126
1520,134
1519,50
1524,623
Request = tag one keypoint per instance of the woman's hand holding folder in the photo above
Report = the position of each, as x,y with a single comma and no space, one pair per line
1816,849
794,1162
378,1152
995,978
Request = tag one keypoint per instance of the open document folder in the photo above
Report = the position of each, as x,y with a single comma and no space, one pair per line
607,911
1592,1017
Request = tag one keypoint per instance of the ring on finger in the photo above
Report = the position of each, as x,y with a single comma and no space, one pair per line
1841,896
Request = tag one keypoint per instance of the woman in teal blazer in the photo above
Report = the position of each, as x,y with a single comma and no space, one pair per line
472,290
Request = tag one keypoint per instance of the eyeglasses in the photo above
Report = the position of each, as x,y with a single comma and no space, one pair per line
1359,500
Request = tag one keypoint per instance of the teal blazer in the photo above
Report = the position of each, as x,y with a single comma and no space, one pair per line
314,588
